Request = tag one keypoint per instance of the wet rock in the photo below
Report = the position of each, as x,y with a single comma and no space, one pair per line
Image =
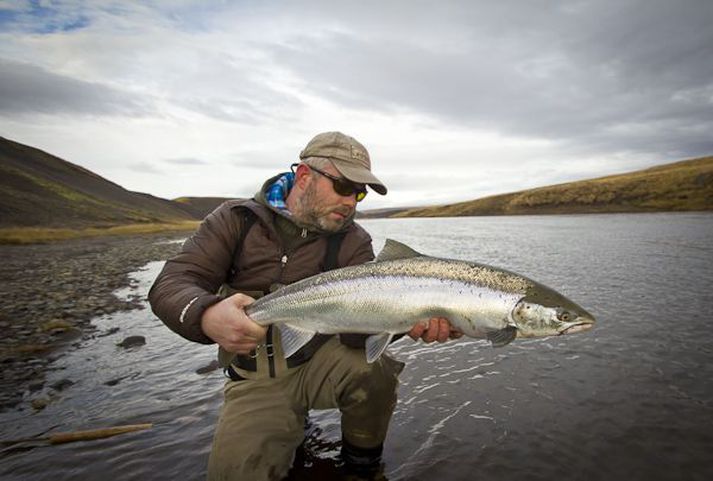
51,292
40,403
36,386
66,336
62,384
212,366
114,382
132,341
109,332
35,362
56,325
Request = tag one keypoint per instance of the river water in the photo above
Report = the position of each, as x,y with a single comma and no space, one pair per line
631,399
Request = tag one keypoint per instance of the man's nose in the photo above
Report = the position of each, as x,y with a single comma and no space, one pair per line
349,200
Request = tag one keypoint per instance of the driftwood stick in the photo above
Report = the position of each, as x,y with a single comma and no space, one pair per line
88,435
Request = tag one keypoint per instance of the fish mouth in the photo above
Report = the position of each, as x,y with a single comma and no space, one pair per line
579,325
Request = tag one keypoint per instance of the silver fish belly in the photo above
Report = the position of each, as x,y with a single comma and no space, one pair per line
402,287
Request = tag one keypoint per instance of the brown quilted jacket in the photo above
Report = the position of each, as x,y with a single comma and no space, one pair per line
189,282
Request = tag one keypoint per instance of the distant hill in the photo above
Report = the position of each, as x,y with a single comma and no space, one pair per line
381,213
199,207
680,186
40,190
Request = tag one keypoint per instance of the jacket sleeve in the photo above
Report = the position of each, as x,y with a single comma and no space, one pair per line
188,282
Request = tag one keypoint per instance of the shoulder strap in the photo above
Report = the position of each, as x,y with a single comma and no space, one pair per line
331,258
247,220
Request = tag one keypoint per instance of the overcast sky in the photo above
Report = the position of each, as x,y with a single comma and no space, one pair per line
454,100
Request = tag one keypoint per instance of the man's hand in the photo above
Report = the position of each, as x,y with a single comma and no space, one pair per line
435,329
228,325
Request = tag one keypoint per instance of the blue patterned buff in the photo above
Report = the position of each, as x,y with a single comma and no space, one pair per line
277,193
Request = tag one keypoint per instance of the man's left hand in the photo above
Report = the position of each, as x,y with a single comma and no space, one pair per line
435,329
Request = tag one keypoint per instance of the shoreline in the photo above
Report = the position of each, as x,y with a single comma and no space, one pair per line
51,292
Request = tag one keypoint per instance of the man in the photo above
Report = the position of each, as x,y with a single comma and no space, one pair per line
299,224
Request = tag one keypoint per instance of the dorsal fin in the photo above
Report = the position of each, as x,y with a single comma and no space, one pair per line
394,250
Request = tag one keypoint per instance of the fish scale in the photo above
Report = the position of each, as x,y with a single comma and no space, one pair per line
401,288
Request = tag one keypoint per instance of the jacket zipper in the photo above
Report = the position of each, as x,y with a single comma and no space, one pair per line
270,349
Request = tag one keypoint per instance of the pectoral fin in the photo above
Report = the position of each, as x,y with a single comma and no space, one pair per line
502,337
293,338
376,345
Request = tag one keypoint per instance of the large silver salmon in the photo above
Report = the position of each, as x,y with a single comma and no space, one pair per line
402,287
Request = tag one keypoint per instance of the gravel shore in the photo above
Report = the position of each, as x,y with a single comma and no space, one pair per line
50,292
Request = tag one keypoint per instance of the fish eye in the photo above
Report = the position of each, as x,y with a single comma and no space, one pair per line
564,316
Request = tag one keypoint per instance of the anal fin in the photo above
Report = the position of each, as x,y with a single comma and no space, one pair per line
376,345
293,338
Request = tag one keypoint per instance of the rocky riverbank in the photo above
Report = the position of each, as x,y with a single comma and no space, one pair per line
50,292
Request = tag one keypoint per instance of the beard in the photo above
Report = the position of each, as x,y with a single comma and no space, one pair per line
315,214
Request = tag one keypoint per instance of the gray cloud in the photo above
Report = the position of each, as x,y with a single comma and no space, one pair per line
632,75
145,168
594,87
265,160
238,107
186,161
26,89
246,189
226,86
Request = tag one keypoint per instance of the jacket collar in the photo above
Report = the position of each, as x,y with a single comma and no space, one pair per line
293,224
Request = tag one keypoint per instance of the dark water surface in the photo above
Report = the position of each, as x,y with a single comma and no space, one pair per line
631,399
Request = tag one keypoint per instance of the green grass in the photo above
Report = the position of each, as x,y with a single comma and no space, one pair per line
56,188
39,235
681,186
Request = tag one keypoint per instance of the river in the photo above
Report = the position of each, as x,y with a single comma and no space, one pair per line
631,399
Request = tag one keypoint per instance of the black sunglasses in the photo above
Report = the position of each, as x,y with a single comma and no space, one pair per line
341,185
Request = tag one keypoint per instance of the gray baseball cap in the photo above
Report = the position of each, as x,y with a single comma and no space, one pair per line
349,157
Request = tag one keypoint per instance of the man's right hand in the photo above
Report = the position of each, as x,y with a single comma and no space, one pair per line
228,325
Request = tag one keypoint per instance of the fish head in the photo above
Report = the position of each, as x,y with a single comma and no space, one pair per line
545,312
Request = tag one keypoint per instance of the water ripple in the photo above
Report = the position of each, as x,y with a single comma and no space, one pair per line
631,399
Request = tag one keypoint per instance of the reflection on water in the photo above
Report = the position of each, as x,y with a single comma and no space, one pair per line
631,399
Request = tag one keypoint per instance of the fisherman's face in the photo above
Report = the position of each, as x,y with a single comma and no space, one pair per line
322,206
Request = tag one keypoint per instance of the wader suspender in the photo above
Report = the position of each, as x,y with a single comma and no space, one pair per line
334,242
249,219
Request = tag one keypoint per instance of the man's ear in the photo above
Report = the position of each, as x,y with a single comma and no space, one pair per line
302,175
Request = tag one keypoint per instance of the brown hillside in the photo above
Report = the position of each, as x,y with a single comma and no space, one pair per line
199,207
680,186
41,190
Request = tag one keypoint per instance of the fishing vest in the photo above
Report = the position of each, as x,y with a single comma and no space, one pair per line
268,359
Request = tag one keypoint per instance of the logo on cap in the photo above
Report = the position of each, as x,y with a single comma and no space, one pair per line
358,154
